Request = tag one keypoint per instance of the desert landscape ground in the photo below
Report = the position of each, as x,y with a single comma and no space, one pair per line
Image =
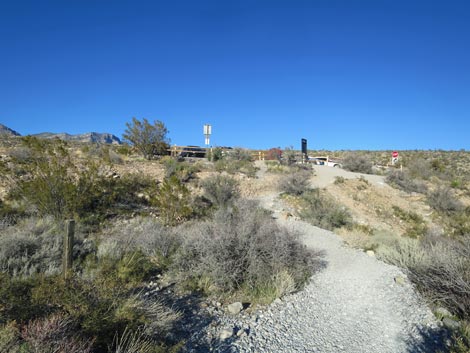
233,254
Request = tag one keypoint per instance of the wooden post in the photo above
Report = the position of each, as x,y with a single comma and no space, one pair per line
68,246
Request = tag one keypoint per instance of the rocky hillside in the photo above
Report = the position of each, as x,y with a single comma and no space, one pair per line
5,130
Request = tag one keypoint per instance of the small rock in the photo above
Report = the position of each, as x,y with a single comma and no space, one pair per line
442,312
450,323
371,253
225,333
399,280
235,308
277,301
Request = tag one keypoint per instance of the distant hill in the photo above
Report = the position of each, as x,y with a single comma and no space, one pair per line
5,130
87,137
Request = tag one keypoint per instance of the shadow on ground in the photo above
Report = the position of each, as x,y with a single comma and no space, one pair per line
429,340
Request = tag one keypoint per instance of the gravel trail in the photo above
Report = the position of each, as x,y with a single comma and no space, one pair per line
353,305
356,303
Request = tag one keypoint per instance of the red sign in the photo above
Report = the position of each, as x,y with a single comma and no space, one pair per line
395,154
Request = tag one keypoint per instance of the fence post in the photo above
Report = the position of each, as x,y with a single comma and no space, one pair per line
68,246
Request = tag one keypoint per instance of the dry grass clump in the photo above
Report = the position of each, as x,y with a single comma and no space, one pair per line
143,234
242,248
35,246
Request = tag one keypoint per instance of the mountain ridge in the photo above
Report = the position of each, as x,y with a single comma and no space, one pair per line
94,137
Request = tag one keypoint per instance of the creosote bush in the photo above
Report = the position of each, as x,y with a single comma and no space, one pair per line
174,202
182,170
322,211
242,249
221,190
295,183
55,185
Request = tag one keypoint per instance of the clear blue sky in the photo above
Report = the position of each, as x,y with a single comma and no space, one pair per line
350,74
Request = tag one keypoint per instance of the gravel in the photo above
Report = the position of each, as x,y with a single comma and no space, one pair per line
354,304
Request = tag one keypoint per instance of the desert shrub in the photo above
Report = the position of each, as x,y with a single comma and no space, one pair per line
16,299
442,199
416,224
240,154
173,201
147,235
55,185
440,268
322,211
35,246
104,306
124,149
243,247
276,167
404,182
339,180
21,154
357,163
234,166
54,333
184,171
295,183
459,223
288,156
215,154
420,168
9,338
149,139
221,190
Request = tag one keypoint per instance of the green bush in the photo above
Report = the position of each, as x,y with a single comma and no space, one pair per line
173,201
242,248
233,166
182,170
322,211
221,190
295,183
58,187
416,225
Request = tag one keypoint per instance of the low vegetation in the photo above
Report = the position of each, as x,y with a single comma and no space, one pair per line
243,251
358,163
